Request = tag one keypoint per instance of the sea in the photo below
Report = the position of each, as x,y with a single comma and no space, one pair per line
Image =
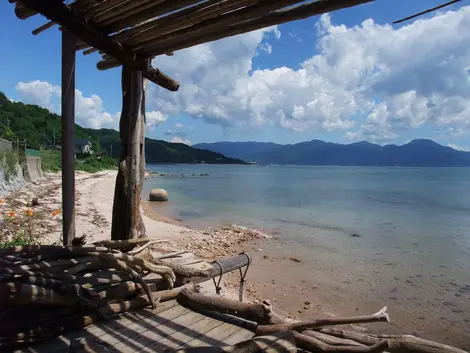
399,234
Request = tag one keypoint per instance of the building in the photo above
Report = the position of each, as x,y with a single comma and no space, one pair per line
83,146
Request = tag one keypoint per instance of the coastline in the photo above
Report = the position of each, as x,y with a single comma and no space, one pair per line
296,287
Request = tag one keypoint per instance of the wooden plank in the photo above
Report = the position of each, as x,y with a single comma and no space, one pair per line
213,337
239,336
157,332
128,318
68,137
132,332
56,11
197,329
57,344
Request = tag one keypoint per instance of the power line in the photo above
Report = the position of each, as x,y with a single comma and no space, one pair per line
427,11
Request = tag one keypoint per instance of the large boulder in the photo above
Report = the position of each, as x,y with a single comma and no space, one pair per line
158,195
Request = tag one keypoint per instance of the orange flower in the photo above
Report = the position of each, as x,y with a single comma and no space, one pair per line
11,214
55,213
2,201
29,213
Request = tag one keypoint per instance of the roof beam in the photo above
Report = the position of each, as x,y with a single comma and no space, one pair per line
56,11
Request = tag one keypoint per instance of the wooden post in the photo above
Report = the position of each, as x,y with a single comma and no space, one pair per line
68,137
127,221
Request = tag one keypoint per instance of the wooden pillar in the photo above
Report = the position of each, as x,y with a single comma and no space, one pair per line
68,137
127,221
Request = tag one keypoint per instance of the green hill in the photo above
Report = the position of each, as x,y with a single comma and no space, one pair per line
41,129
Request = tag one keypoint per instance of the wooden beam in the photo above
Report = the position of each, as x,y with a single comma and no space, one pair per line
70,21
127,221
68,137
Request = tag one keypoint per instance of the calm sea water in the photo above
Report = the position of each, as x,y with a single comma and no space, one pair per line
413,223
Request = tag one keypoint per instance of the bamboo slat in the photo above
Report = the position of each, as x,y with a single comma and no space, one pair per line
124,9
219,19
79,6
280,17
101,7
189,20
143,27
147,14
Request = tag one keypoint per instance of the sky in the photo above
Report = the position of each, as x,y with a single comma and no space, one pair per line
342,77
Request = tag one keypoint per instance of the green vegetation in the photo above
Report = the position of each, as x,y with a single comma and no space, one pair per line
41,130
9,164
51,162
19,240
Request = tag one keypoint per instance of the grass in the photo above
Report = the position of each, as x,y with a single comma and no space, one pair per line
51,162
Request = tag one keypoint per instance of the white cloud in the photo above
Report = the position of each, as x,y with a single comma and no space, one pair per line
39,92
372,81
458,148
89,111
177,139
155,118
179,125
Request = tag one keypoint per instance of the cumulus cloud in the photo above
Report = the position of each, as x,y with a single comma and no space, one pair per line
155,118
89,110
371,81
179,125
177,139
458,148
41,93
171,133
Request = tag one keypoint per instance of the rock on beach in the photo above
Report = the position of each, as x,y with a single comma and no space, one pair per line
158,195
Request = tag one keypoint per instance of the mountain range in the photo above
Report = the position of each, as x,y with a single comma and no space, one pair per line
40,128
417,153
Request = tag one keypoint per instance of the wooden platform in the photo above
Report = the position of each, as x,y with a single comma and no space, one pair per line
169,326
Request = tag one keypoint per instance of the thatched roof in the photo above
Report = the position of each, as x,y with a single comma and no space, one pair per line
130,31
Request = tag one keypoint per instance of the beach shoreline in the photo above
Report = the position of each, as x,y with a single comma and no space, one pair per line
296,287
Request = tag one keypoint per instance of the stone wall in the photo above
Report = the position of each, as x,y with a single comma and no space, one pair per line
16,183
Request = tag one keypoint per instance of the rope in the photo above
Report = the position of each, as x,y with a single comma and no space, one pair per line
243,276
217,285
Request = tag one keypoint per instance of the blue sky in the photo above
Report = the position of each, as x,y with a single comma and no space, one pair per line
342,77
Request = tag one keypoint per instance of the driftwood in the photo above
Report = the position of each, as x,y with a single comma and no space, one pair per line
85,284
397,343
314,335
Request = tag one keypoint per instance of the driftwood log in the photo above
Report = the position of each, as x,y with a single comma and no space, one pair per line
314,335
83,284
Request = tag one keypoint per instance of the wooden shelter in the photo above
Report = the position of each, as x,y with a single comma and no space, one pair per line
130,33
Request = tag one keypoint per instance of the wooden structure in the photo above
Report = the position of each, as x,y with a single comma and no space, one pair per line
130,33
169,326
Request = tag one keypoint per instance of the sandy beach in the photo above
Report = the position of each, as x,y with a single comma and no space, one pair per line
295,288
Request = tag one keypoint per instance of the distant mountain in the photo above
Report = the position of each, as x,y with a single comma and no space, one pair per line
242,150
41,129
417,153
